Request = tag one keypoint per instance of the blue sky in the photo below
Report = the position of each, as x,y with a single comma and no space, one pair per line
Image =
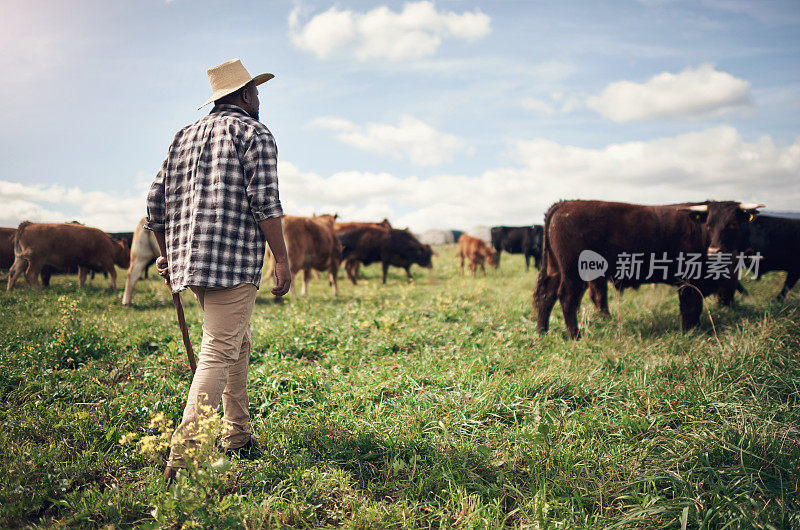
433,114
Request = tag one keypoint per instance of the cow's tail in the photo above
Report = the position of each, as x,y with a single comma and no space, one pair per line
18,236
545,230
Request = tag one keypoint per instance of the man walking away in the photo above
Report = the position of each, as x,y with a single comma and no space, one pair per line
212,207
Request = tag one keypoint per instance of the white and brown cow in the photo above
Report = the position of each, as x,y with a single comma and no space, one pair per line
144,251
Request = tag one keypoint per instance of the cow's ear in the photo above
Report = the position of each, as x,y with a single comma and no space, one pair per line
750,210
750,215
698,213
698,217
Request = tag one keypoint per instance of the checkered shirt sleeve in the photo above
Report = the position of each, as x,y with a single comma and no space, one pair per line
218,181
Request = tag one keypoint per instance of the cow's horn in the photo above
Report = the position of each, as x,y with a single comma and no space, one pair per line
749,205
698,208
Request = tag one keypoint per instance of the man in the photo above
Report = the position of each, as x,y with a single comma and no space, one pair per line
211,207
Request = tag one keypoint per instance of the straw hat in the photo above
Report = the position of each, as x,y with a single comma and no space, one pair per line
229,77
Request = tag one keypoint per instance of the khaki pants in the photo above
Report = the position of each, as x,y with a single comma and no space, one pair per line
221,368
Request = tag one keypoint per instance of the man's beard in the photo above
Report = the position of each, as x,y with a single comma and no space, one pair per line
253,115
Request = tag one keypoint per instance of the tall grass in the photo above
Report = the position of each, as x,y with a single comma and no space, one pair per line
423,404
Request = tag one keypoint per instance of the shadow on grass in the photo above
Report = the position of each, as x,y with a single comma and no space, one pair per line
384,468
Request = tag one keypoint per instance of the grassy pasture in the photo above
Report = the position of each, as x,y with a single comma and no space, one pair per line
424,404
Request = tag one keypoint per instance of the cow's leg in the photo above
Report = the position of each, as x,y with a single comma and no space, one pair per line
82,272
472,267
385,271
544,298
352,271
598,291
408,273
292,292
740,288
112,275
483,268
791,279
461,266
570,293
46,273
134,273
32,274
19,266
333,274
726,292
527,262
537,262
306,279
691,305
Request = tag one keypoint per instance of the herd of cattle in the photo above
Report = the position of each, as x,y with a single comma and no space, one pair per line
607,229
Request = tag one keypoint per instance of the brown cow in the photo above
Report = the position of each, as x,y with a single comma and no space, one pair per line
63,245
613,232
311,243
477,252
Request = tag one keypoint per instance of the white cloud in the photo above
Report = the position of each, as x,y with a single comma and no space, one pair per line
416,31
713,163
558,102
693,92
538,105
38,203
410,138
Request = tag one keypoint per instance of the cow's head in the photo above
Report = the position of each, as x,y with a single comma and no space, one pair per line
423,255
725,224
329,219
122,253
493,258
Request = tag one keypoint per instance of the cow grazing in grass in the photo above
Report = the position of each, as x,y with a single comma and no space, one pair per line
477,253
777,240
7,257
65,245
526,240
144,251
351,266
311,244
398,248
615,230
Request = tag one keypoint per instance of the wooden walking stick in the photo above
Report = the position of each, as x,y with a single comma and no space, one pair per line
178,303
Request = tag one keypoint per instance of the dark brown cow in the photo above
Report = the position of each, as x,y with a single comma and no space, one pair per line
7,247
311,243
777,240
394,247
477,253
613,230
65,245
351,266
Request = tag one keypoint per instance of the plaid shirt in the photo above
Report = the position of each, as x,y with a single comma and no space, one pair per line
219,180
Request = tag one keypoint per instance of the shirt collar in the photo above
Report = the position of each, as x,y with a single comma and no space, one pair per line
227,107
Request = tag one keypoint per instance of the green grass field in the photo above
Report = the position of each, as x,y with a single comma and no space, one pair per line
424,404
